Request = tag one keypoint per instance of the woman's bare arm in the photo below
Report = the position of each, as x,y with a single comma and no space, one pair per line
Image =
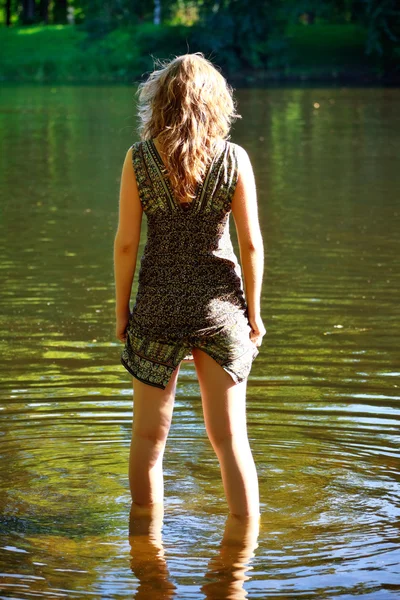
245,213
127,238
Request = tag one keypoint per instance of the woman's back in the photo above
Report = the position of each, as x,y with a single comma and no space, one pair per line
190,288
188,251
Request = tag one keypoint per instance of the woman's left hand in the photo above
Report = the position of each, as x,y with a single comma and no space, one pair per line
120,327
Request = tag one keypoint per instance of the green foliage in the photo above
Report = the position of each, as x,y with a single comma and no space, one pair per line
183,12
326,45
244,28
161,42
123,54
237,33
127,53
312,11
30,52
217,48
382,22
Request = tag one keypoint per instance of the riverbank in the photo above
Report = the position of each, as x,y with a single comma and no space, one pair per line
67,53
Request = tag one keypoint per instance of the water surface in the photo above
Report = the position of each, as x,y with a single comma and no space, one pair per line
323,394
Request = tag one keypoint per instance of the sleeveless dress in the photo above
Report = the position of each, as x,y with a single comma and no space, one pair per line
190,288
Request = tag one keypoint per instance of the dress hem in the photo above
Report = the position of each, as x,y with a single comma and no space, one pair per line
157,385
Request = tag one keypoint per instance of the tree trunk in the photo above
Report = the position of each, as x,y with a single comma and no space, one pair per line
44,11
157,12
28,12
60,11
8,13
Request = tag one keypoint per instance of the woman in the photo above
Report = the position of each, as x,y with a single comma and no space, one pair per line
190,305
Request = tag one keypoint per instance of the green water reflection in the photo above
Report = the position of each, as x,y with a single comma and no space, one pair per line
323,395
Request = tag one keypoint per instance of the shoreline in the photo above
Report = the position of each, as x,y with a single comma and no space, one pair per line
266,77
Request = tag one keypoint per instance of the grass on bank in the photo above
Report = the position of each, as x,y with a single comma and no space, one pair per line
68,53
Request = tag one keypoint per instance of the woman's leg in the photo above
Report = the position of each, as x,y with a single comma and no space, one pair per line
152,416
224,408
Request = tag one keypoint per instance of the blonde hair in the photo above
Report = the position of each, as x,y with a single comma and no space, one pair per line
188,106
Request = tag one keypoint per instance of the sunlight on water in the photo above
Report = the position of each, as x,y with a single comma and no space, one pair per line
323,394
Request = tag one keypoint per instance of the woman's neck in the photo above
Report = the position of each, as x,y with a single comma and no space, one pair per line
159,148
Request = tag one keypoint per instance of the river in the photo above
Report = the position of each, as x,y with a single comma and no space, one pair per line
323,394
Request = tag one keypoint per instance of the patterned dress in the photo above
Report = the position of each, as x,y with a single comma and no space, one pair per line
190,289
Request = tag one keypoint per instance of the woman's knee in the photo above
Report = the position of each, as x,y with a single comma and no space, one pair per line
229,434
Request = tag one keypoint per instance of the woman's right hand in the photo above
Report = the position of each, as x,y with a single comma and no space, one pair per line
257,330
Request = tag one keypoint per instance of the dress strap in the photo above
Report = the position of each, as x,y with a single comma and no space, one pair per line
195,205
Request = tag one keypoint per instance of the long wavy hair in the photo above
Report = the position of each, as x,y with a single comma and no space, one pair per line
188,106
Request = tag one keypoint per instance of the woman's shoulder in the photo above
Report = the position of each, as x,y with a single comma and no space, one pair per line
237,148
139,150
137,144
238,153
